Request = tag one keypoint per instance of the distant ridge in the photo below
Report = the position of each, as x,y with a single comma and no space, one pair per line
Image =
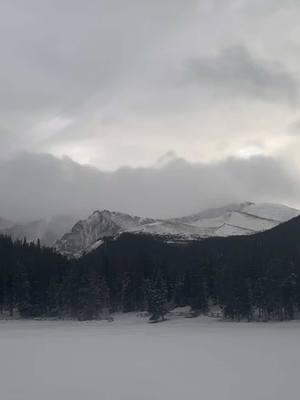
235,219
47,231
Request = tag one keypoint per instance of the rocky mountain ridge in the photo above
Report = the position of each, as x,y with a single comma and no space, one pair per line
235,219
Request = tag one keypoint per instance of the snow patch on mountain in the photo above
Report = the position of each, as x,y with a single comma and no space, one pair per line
235,219
241,219
275,212
86,233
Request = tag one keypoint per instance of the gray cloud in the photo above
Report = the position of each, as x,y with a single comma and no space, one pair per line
73,59
58,54
98,81
112,71
294,128
34,186
236,72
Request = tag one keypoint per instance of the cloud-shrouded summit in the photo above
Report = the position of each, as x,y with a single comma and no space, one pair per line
40,186
174,105
114,84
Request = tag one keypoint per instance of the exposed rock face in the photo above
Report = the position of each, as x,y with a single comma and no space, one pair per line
236,219
100,224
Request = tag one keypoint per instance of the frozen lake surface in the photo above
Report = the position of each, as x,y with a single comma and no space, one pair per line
130,359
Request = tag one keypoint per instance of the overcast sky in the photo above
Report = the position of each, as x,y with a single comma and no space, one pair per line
140,83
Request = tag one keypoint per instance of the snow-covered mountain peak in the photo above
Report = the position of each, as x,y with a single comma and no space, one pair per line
272,211
121,220
214,213
101,223
233,219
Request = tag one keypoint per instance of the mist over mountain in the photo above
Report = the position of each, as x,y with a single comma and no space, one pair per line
48,231
40,186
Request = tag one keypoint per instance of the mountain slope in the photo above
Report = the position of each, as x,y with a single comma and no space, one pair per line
86,233
47,231
242,218
235,219
5,224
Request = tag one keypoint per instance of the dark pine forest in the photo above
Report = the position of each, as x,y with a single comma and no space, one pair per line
249,277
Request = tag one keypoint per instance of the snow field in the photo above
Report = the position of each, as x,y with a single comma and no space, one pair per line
129,359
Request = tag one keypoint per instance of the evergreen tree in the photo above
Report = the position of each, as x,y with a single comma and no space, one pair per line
22,285
128,294
157,297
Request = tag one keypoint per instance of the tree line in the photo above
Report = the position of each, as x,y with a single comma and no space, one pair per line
247,277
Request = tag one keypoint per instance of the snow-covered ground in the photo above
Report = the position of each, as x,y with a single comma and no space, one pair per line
129,359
